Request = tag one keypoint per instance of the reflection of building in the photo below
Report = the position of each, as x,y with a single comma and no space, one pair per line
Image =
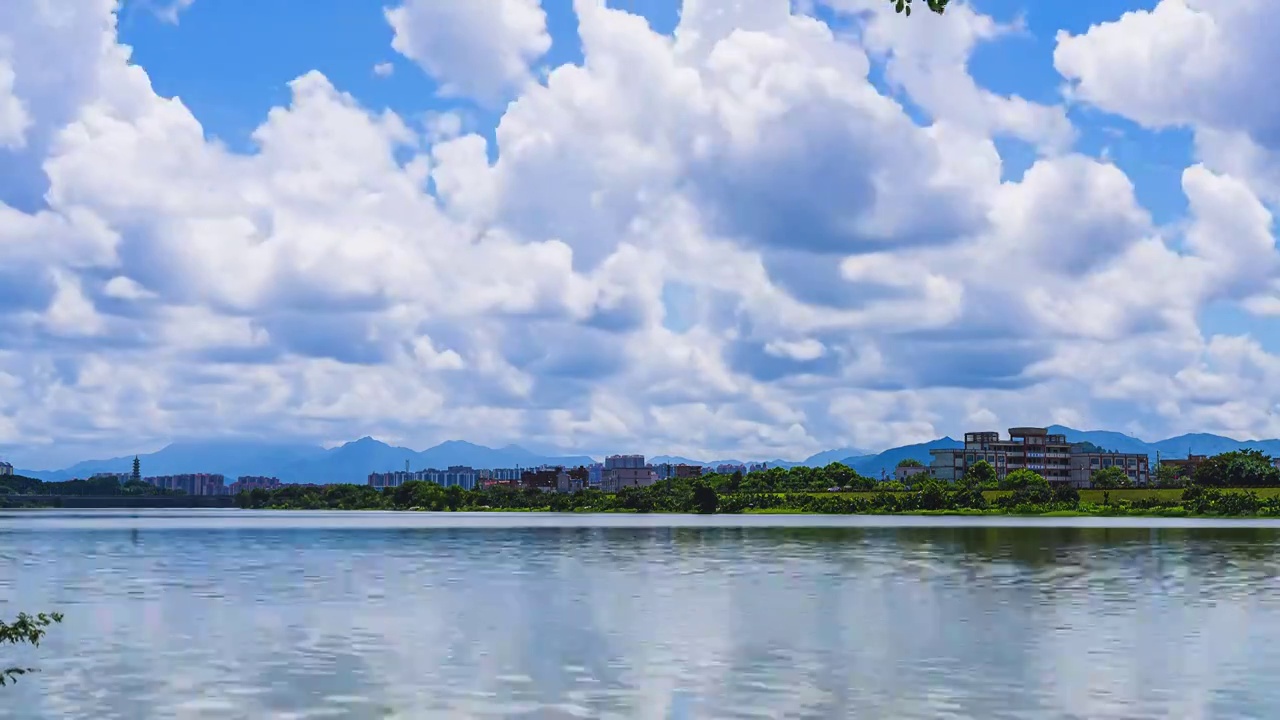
622,471
1035,449
5,468
190,483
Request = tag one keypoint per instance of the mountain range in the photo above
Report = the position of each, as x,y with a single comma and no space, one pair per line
353,461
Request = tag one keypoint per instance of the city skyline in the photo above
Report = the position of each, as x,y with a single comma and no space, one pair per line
353,461
763,227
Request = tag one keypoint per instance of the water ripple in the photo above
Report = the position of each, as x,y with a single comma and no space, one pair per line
371,615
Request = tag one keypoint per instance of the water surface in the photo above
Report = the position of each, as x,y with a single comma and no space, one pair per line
230,614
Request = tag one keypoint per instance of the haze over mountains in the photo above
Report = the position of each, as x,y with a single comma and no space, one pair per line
353,461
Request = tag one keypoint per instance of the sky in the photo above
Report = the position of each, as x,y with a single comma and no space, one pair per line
753,228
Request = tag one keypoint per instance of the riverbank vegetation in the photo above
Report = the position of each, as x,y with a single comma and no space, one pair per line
28,629
18,485
1237,483
698,496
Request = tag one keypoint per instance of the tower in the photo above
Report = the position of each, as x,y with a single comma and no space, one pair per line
136,475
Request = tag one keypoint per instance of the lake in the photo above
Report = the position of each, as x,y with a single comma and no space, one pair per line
233,614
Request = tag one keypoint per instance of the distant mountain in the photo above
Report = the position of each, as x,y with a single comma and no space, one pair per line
1174,447
827,457
678,460
230,457
1106,439
351,462
1205,444
874,465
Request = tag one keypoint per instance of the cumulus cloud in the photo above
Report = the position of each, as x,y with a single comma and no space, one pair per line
720,241
483,51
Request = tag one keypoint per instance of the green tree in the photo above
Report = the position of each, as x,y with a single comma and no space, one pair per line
1238,468
980,474
1023,479
1169,476
28,629
705,499
904,6
1109,478
910,462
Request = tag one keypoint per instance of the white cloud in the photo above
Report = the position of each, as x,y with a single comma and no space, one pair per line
479,50
384,69
170,12
725,241
14,120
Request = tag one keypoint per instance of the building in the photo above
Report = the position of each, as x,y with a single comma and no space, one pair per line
543,478
622,471
119,478
246,483
1035,449
190,483
666,471
467,478
904,473
595,475
1184,467
567,483
5,468
1084,465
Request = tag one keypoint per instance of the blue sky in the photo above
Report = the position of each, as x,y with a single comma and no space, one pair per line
547,223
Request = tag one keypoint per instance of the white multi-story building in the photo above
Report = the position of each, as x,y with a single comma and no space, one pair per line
1035,449
5,468
621,471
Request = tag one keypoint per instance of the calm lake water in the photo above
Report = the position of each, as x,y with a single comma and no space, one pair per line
230,614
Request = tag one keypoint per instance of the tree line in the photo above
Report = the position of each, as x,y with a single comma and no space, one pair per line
96,487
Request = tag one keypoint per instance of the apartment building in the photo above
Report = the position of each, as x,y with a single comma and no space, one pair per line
666,471
5,468
1084,465
118,477
190,483
246,483
1035,449
543,478
621,471
467,478
567,483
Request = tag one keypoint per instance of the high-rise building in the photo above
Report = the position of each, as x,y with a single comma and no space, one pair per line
5,468
190,483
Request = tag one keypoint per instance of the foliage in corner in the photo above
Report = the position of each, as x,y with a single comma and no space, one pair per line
28,629
904,6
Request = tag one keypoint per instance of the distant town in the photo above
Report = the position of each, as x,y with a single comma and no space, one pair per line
1060,462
